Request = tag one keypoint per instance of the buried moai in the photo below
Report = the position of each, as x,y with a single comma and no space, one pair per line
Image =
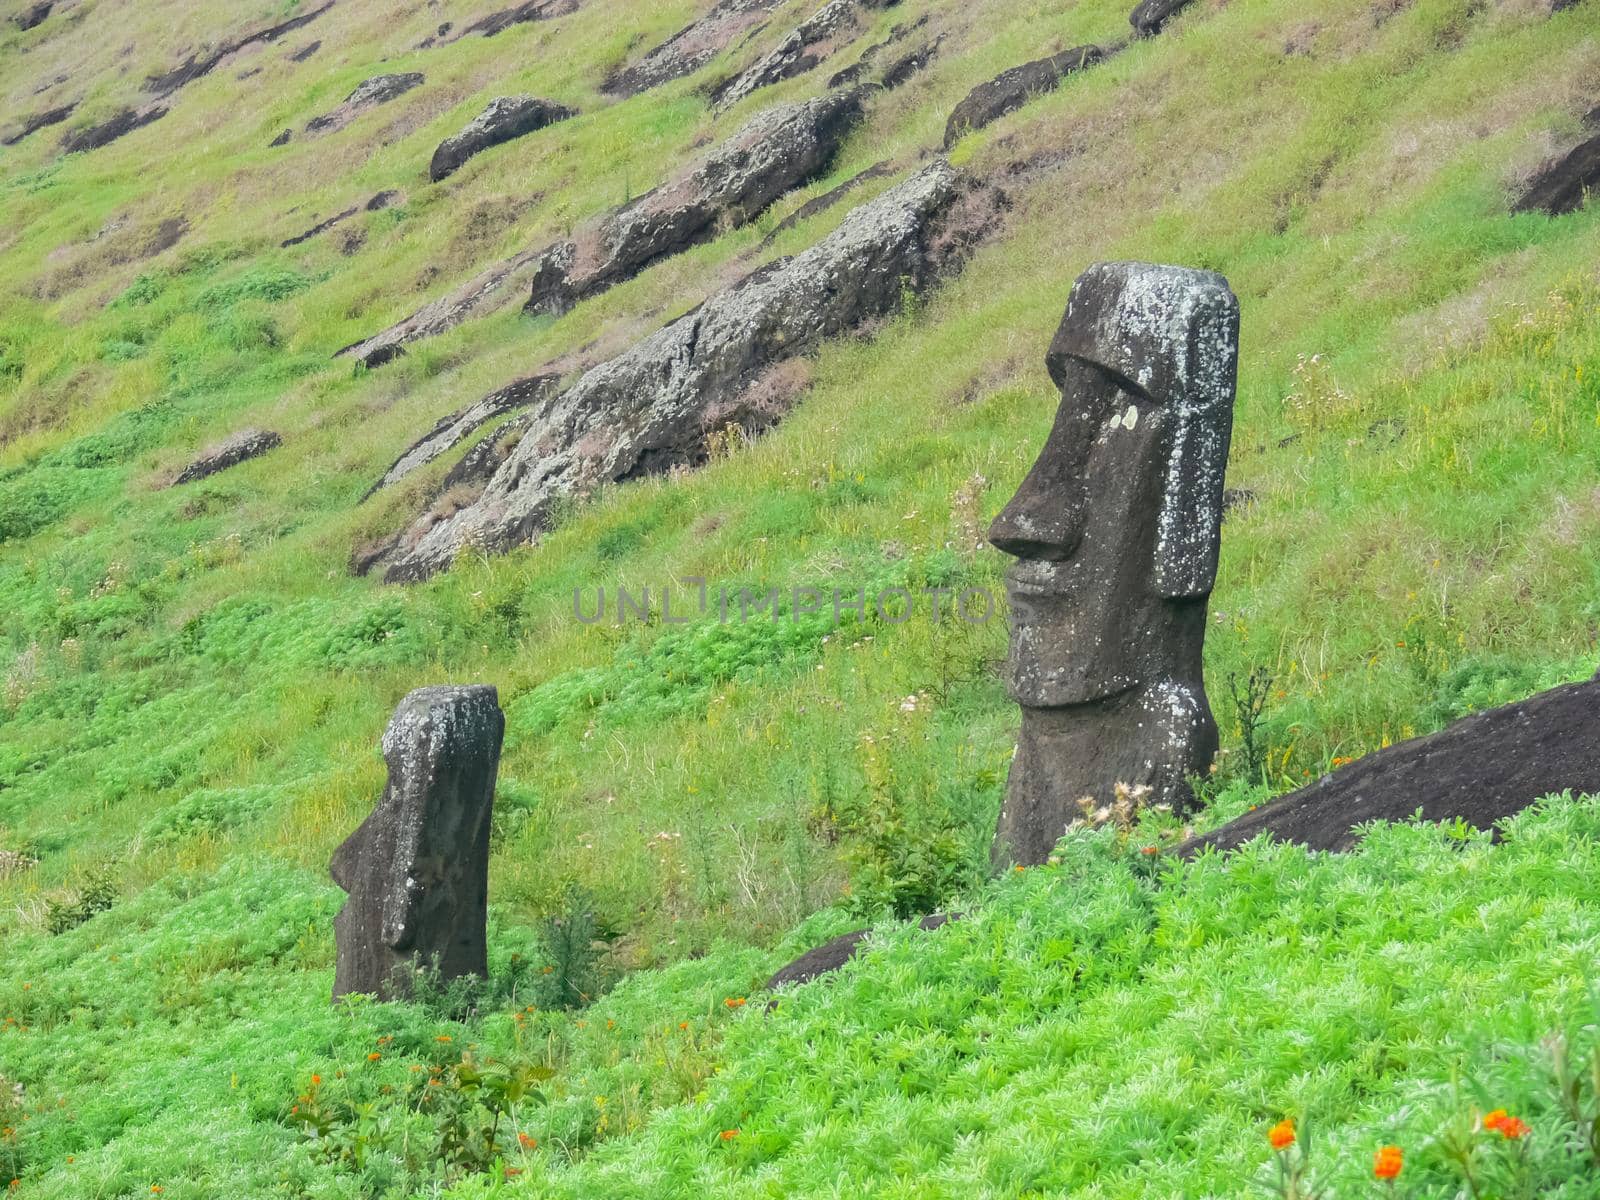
1116,532
417,869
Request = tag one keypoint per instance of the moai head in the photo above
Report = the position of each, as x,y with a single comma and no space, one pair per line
417,869
1116,529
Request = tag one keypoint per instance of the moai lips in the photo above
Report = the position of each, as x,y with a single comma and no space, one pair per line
417,870
1116,532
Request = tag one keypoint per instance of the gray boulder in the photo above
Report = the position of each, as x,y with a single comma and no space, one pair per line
241,447
1012,89
834,25
369,94
691,48
1480,770
782,149
417,870
1151,15
649,410
505,119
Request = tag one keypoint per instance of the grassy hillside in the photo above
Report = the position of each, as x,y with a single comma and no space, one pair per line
194,684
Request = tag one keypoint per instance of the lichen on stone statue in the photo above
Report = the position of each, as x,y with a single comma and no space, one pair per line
417,870
1116,532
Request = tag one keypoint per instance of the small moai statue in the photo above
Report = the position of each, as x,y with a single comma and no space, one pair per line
417,870
1116,532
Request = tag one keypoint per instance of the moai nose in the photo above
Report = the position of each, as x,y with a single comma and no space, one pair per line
1037,525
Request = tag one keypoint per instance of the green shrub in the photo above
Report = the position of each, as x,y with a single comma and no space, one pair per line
65,913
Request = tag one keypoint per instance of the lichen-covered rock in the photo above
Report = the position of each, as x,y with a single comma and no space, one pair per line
1151,15
1480,770
452,430
828,199
780,150
369,94
834,25
1564,185
505,119
691,48
241,447
417,870
649,410
117,126
1116,531
1012,89
521,14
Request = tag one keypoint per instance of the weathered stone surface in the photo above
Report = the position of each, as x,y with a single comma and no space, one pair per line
1116,531
507,118
38,121
827,200
34,14
369,94
905,68
385,199
648,410
1151,15
691,48
283,139
241,447
1480,770
830,956
319,228
305,51
482,293
109,130
522,14
1564,185
781,149
197,65
452,430
1012,89
417,870
834,25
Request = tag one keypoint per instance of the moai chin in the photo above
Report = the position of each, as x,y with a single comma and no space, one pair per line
417,870
1116,532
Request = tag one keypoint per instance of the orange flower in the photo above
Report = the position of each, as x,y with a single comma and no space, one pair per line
513,1171
1386,1163
734,1001
443,1037
316,1081
683,1024
374,1056
1149,849
1495,1119
526,1142
1282,1134
728,1135
1514,1128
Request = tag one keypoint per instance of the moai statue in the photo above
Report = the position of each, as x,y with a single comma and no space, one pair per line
1116,532
417,869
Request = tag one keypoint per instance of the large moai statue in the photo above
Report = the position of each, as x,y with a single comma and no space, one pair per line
417,869
1116,532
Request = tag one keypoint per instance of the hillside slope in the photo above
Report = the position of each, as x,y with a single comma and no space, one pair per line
195,679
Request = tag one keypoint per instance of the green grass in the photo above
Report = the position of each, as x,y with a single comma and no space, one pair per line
192,686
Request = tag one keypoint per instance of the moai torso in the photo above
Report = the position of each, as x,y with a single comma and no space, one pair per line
1116,533
417,869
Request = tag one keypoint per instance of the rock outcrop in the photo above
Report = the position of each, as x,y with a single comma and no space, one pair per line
454,429
1012,89
1147,20
649,410
522,14
691,48
38,121
830,956
117,126
506,119
834,25
34,14
1116,532
198,65
780,150
1563,186
241,447
827,200
369,94
417,870
1480,770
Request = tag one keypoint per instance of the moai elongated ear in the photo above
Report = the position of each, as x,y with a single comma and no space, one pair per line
1172,335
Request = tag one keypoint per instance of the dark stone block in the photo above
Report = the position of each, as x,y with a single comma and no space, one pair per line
830,956
108,131
242,446
1009,91
417,870
1563,186
1151,15
1481,770
507,118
